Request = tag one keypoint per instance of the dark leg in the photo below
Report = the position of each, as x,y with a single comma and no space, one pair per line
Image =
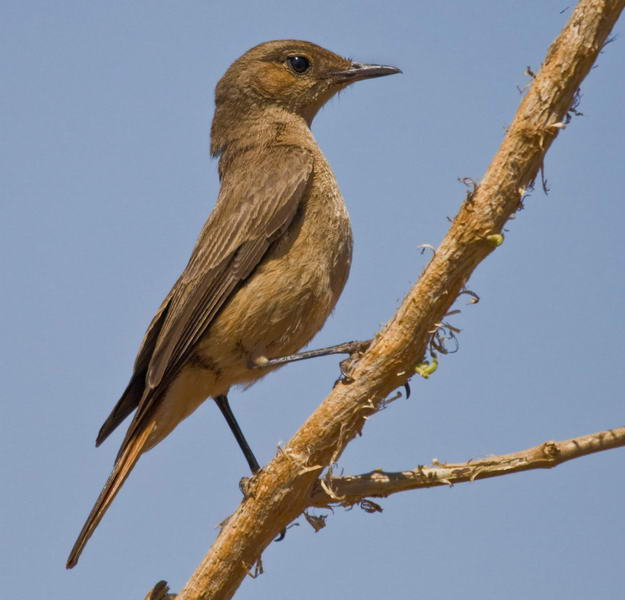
346,348
224,407
350,348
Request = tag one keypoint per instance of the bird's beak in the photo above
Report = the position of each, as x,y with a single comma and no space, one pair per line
359,71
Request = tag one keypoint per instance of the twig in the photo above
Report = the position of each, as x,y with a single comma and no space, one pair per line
350,490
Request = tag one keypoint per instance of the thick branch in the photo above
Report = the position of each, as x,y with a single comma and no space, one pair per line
346,491
283,489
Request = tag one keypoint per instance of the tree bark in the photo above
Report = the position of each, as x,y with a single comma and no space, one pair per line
288,484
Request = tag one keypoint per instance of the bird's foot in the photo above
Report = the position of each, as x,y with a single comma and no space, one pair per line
356,350
247,485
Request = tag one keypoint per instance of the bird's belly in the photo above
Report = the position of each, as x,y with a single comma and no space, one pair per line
278,311
285,301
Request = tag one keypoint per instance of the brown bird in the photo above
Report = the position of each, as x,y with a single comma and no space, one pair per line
269,263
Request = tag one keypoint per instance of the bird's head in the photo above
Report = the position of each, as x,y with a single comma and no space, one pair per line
296,76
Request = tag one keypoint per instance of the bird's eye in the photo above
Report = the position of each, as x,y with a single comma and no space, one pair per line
300,64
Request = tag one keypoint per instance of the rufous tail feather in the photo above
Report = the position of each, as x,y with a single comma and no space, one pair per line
121,470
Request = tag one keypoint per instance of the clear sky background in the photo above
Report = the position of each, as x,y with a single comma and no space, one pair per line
105,111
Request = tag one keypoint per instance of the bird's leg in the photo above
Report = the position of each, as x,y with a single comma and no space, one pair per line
226,411
346,348
351,348
224,407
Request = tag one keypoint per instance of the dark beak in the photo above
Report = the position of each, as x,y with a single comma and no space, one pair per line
358,71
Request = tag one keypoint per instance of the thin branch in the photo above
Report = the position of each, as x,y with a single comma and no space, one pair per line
350,490
283,489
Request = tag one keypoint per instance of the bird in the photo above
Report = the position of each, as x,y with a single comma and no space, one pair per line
268,266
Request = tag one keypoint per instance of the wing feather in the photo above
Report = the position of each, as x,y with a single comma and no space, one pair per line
255,206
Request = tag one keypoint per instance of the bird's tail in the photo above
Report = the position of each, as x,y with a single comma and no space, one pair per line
123,466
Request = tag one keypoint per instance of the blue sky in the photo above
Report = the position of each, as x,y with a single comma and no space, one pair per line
106,180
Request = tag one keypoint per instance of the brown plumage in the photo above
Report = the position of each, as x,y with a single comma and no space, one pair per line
270,261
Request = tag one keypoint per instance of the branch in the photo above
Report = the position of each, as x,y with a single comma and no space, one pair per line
283,489
350,490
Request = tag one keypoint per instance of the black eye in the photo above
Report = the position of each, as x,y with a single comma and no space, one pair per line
300,64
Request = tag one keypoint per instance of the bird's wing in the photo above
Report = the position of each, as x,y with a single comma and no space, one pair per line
260,201
134,390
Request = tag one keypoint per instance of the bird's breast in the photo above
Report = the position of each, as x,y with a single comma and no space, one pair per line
317,247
